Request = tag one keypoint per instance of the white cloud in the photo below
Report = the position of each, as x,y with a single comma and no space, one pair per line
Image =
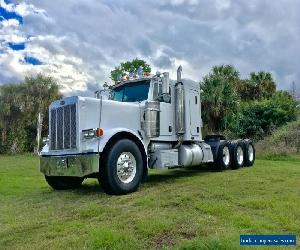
222,4
9,23
22,8
8,7
80,42
10,31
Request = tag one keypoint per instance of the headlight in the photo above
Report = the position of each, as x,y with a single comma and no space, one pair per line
92,133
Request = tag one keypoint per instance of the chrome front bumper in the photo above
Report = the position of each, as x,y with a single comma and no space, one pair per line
70,165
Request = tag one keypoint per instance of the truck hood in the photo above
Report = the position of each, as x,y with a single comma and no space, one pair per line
121,115
111,116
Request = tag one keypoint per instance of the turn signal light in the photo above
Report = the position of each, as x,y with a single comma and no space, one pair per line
99,132
92,133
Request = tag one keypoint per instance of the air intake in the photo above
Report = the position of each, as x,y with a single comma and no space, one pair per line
151,122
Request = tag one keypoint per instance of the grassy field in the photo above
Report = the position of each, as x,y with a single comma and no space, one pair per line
185,209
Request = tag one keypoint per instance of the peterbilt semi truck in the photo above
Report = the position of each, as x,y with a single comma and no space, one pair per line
147,122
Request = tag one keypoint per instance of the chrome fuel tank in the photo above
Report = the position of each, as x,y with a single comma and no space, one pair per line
190,155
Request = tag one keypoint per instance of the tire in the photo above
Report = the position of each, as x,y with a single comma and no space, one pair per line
122,168
63,182
249,152
237,154
223,157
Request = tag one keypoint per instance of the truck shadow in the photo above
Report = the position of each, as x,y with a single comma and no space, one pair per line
155,176
94,188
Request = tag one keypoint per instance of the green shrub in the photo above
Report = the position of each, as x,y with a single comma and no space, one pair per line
258,119
281,143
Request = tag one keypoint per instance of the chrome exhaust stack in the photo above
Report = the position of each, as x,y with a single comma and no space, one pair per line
179,104
179,108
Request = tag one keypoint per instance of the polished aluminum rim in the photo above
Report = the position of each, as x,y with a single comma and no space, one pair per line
226,155
240,155
126,167
250,153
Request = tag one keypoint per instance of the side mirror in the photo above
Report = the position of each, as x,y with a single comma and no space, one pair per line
106,92
165,98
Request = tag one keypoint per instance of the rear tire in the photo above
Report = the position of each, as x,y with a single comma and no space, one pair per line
237,154
64,182
249,152
122,168
223,157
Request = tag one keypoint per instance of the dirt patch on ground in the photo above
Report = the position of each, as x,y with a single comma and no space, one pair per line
163,240
169,239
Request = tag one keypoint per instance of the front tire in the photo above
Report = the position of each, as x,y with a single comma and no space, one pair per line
64,182
122,168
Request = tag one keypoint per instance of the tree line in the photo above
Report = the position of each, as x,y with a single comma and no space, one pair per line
20,104
231,105
249,107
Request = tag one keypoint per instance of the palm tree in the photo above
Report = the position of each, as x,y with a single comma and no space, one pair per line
264,84
219,97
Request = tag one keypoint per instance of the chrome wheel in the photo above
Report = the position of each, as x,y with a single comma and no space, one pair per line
240,155
250,153
226,155
126,167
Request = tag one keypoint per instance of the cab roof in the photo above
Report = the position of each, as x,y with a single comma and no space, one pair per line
132,81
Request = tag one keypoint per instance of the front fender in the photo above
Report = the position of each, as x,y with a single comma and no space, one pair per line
109,133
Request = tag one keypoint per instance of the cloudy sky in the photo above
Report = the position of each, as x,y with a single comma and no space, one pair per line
79,42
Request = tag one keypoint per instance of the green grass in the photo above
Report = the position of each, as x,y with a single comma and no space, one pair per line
182,209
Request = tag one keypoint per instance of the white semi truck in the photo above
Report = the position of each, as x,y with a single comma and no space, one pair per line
147,122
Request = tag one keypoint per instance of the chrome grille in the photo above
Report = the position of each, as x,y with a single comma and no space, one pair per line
63,127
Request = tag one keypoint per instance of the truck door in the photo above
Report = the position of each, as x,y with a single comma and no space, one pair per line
195,116
166,110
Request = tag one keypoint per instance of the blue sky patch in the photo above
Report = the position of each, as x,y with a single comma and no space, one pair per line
32,60
4,14
16,46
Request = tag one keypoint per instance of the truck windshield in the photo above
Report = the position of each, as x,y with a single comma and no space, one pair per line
131,92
